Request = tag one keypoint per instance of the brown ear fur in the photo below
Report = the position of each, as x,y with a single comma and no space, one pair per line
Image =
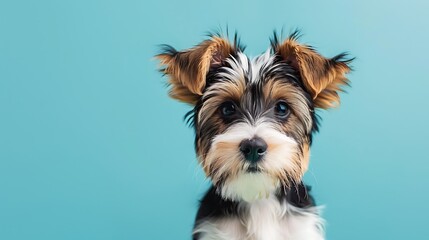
187,70
322,77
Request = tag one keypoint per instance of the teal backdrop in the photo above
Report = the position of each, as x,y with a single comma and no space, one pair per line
92,148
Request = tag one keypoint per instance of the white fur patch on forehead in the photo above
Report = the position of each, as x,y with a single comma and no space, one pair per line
260,63
240,67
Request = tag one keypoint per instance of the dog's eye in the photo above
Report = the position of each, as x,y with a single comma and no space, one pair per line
227,109
281,109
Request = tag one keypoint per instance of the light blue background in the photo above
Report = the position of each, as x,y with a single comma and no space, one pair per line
91,147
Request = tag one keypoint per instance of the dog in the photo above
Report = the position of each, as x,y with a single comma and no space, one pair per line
254,119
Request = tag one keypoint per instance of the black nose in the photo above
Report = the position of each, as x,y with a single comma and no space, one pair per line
253,149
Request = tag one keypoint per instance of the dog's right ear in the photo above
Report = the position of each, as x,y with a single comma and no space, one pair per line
322,77
187,69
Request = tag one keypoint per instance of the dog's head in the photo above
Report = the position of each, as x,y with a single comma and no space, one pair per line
254,118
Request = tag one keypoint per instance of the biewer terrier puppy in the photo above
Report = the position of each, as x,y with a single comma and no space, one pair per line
254,119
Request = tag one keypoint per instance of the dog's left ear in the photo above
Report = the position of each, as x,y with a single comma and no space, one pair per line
322,77
187,69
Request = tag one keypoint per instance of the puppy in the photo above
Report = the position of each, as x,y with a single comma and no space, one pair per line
254,119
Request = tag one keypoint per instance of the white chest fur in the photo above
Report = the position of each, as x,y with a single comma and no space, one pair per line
265,219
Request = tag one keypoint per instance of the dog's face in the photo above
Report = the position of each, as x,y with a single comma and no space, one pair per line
254,118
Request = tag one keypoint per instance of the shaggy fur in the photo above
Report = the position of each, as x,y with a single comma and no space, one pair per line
266,106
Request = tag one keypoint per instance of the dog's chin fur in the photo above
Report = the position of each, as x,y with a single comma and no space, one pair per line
249,187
